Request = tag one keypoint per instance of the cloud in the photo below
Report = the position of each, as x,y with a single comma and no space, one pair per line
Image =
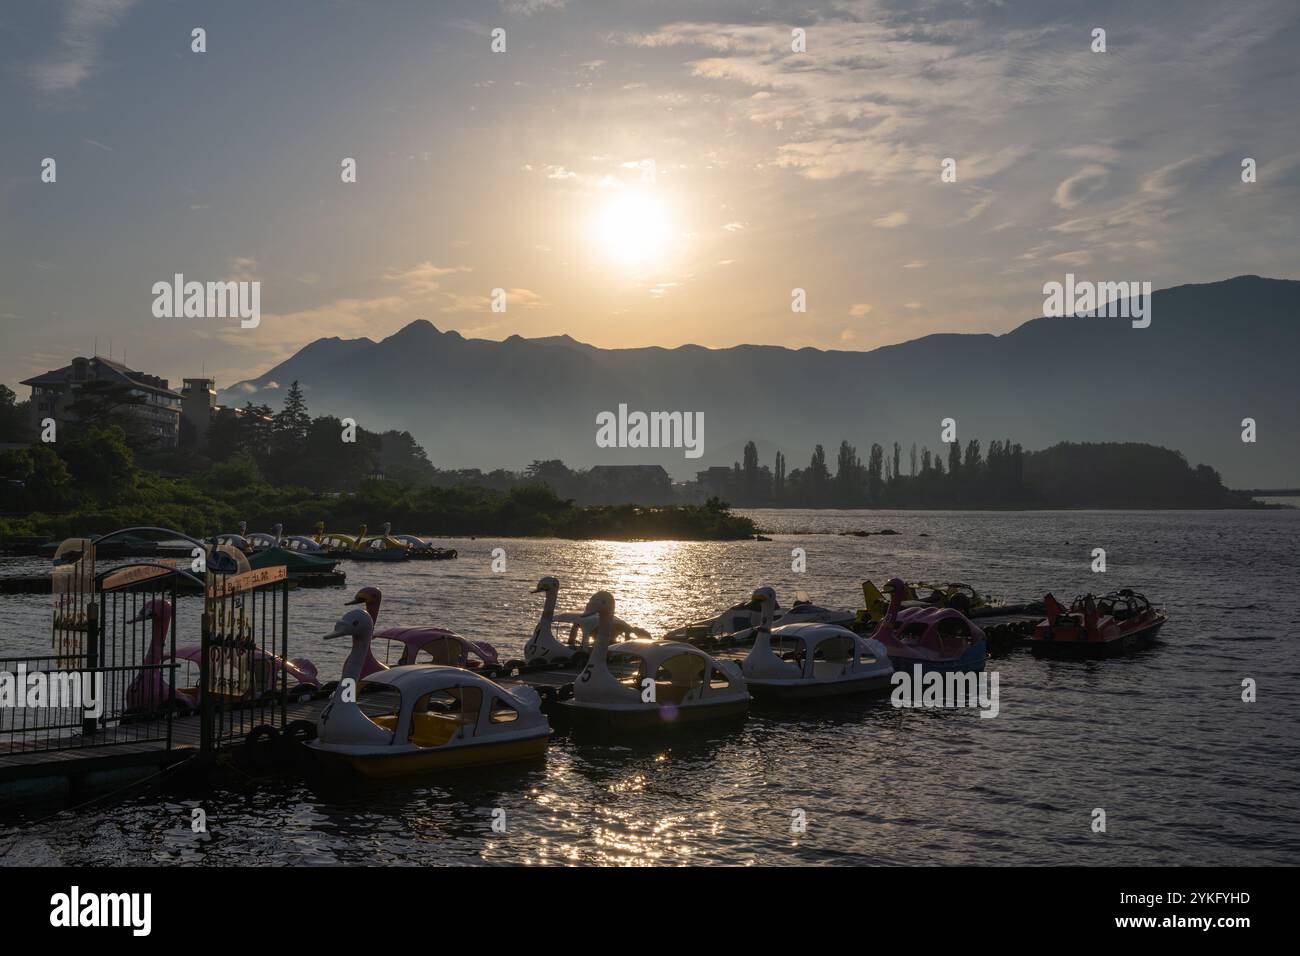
859,309
423,278
1074,190
892,220
77,54
528,7
243,269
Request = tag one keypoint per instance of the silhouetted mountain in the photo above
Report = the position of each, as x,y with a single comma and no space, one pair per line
1213,355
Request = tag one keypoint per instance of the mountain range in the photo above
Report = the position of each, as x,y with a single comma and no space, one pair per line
1213,355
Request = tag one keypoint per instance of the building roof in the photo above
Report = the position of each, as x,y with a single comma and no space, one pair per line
104,370
647,471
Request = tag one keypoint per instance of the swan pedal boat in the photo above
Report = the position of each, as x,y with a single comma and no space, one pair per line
1116,623
939,639
443,718
545,650
440,645
745,616
261,672
689,686
432,717
823,660
961,597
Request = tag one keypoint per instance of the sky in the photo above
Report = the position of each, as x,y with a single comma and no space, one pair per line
630,173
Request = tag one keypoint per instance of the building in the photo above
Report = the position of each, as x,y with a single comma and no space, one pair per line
716,482
157,411
198,407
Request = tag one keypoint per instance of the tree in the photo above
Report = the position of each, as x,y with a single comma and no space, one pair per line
875,472
749,478
45,479
291,422
817,477
14,423
954,458
848,476
101,462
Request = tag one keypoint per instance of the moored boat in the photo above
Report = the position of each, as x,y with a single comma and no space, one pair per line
544,649
381,547
420,644
1097,627
643,684
811,660
941,639
744,616
422,717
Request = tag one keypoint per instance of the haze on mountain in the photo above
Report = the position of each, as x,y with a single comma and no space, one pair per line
1213,355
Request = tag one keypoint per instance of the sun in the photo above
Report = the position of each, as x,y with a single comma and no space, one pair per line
632,229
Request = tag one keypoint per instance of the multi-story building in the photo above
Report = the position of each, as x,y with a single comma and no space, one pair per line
199,406
157,409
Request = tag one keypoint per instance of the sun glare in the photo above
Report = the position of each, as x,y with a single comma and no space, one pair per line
632,229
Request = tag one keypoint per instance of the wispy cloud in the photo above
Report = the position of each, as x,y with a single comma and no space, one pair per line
84,22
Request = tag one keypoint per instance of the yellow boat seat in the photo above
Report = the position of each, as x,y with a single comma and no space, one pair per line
427,730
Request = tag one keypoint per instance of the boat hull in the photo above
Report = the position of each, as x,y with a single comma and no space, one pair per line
1131,641
408,763
972,660
649,718
790,691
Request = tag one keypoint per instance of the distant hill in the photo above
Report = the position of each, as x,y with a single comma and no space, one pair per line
1213,355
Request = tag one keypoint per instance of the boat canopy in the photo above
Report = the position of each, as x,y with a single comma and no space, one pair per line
440,706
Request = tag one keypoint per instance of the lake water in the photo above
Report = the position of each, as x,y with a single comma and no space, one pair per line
1161,740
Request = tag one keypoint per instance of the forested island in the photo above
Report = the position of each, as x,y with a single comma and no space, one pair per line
286,467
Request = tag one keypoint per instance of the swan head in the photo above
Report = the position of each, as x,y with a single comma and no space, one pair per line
354,624
894,586
547,585
370,597
601,604
764,602
155,609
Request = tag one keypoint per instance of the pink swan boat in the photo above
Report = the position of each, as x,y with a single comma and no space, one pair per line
439,645
941,639
151,691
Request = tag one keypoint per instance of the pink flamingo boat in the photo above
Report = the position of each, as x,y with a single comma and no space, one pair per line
941,639
151,691
437,644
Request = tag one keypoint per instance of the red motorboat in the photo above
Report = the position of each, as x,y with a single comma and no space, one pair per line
1097,627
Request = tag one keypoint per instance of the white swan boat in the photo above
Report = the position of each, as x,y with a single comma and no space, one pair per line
815,660
422,717
745,615
544,649
644,683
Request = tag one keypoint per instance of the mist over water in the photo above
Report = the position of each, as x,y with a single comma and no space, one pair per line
1187,772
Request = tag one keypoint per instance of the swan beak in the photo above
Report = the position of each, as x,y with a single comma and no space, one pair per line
339,631
356,600
535,591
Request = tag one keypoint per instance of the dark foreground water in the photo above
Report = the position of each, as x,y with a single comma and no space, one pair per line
1186,772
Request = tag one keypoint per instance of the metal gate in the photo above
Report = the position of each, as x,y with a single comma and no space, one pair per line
109,677
136,654
245,637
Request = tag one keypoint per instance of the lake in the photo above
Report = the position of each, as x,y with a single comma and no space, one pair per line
1161,740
